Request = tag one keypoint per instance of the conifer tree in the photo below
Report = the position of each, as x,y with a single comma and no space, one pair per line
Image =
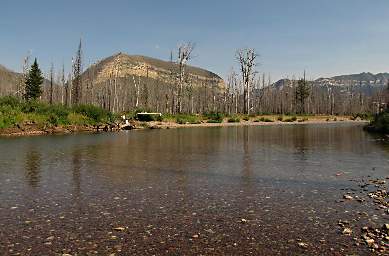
302,93
33,82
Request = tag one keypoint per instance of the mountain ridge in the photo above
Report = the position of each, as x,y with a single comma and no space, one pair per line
124,65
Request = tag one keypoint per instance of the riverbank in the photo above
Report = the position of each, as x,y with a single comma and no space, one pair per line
168,125
34,130
21,118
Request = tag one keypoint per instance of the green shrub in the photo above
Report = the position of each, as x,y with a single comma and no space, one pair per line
53,119
168,117
187,119
9,116
246,118
78,119
362,116
234,119
280,118
10,101
380,123
95,113
303,120
264,119
290,120
214,117
146,117
214,121
14,111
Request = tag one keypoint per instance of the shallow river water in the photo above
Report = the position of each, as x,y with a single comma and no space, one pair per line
191,191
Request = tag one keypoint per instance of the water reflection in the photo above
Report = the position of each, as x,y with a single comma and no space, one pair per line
76,172
33,167
246,153
298,152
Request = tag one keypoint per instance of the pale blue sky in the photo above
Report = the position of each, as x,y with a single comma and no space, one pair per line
325,37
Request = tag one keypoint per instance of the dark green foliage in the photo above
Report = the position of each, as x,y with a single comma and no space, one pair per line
14,111
10,101
148,117
290,120
214,121
363,116
95,113
34,82
264,119
234,119
187,119
302,93
380,123
214,117
246,118
280,118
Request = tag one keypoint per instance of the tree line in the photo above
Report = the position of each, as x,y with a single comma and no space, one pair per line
246,90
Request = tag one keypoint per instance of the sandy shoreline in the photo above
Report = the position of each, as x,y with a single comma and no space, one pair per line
34,131
168,125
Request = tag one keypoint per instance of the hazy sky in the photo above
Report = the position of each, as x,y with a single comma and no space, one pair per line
325,37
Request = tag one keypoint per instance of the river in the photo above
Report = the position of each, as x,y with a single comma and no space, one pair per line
210,191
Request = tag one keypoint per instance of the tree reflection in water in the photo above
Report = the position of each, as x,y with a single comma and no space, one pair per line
33,167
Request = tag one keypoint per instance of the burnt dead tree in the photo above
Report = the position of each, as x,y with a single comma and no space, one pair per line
25,68
247,61
62,83
51,88
77,81
184,55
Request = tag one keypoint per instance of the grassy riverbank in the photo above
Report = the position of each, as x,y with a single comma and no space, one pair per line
35,116
30,118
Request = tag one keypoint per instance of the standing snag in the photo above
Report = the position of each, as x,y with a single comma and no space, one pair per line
77,81
247,60
184,55
51,89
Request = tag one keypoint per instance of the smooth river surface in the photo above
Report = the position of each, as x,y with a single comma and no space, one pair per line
190,191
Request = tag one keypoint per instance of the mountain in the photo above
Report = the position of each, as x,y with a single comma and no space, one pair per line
364,77
8,81
366,83
132,67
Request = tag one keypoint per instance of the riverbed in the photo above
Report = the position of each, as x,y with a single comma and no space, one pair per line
240,190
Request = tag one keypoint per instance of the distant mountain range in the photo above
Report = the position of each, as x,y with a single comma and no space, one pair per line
366,83
364,77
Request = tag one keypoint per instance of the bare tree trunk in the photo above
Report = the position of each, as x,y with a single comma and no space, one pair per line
247,61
